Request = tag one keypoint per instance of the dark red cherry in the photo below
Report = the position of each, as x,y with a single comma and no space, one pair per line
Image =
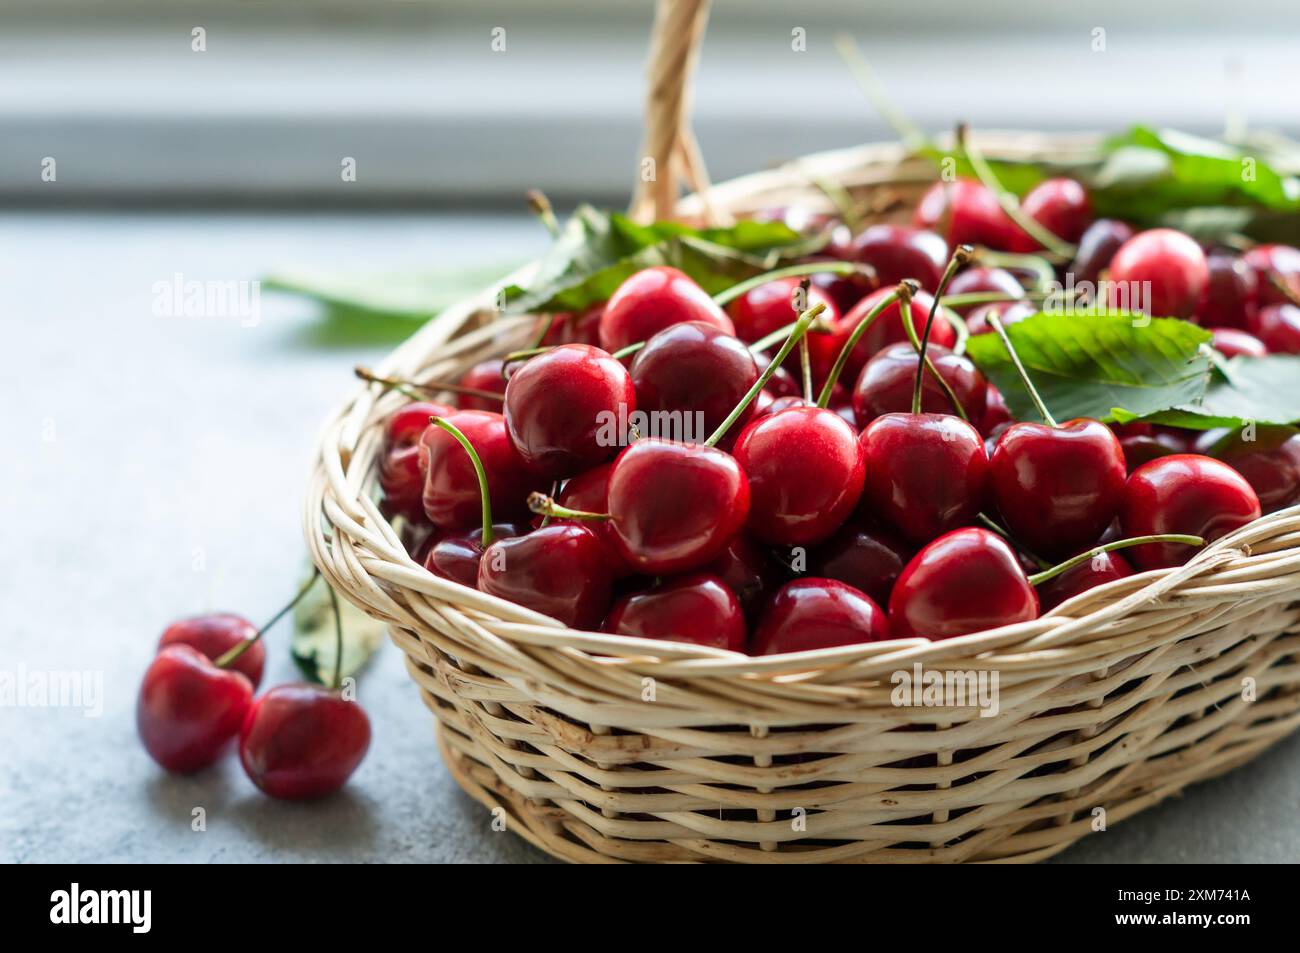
964,212
1142,442
767,308
695,375
812,613
1269,460
925,473
844,290
1061,206
582,327
565,409
698,608
651,300
189,710
897,252
886,383
216,633
1233,343
747,571
1283,262
966,581
589,492
805,474
456,557
673,506
984,281
561,570
1277,326
1184,493
301,742
782,383
1161,272
1097,247
1230,294
866,556
1101,569
886,329
451,493
485,375
1058,488
401,470
1009,313
996,412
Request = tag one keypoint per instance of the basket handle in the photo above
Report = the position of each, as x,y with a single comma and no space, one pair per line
669,149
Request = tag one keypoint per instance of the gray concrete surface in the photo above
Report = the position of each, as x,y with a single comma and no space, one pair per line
153,468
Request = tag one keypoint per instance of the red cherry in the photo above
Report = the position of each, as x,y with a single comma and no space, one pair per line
486,375
694,374
1233,343
1009,313
214,635
996,411
782,382
812,613
1270,462
401,468
966,581
886,329
1101,569
985,281
867,557
925,473
580,328
456,557
564,407
886,383
844,291
561,570
1057,488
964,212
698,609
451,493
189,710
1230,294
1171,262
1061,206
897,252
589,492
1184,493
651,300
1097,247
1142,443
805,474
674,507
303,741
746,570
767,308
1283,262
1277,326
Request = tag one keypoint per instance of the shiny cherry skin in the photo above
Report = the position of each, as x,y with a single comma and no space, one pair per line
886,383
1283,261
805,475
1174,265
485,375
651,300
216,633
1008,312
1233,343
1101,569
925,473
965,581
1058,488
301,742
896,252
812,613
697,370
1277,326
1270,462
886,329
561,570
844,290
674,506
1141,443
1061,206
1184,493
964,212
1230,294
1097,246
996,411
456,557
747,570
984,281
401,470
696,608
563,409
864,555
769,307
582,327
782,383
451,491
589,492
188,710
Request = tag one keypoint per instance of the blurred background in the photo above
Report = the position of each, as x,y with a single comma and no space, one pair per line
155,459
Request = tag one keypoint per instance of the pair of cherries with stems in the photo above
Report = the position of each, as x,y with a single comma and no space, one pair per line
296,741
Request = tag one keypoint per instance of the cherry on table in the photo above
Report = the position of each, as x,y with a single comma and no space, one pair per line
651,300
451,492
1231,342
1097,246
896,252
188,710
1173,266
1231,293
814,613
696,372
864,555
561,570
487,376
216,633
301,742
697,608
886,383
1277,327
1101,569
1061,206
1269,460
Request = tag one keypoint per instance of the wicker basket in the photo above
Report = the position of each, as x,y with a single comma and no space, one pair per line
600,747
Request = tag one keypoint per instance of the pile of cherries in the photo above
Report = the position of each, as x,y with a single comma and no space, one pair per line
832,499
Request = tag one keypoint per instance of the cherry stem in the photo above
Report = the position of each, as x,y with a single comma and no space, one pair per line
903,295
800,329
227,658
781,333
1038,561
805,359
523,355
544,330
1042,270
961,254
1041,577
540,206
479,472
337,682
724,298
428,387
1010,204
543,505
1281,285
1046,414
991,297
934,371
